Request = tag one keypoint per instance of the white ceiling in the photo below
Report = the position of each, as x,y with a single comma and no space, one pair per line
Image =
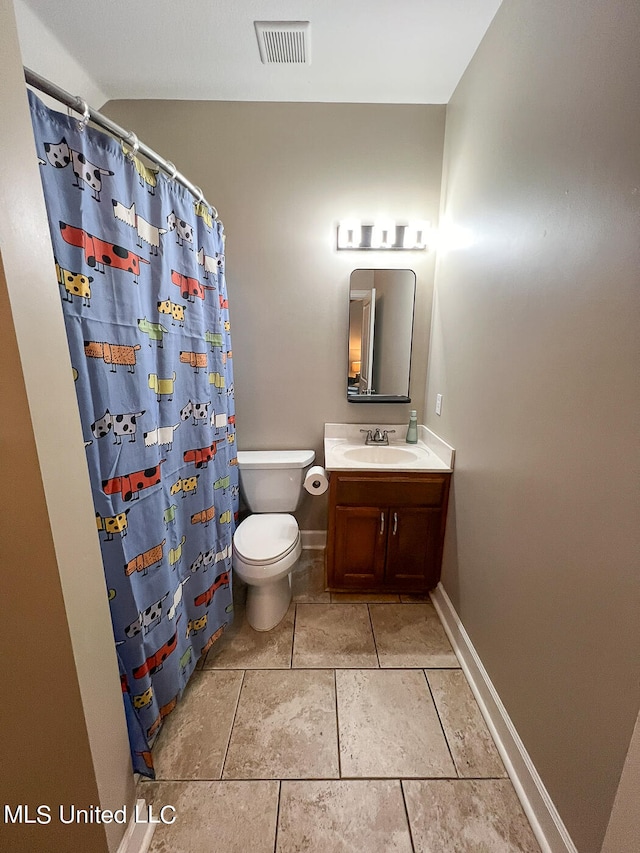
371,51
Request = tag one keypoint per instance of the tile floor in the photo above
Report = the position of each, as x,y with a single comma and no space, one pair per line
350,728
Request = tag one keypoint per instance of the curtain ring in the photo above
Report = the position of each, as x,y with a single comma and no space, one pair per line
86,115
174,171
134,142
201,195
214,212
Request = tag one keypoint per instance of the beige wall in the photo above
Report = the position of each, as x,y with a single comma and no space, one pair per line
46,757
535,349
623,830
282,176
63,734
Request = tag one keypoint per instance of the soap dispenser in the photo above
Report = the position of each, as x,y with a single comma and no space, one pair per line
412,429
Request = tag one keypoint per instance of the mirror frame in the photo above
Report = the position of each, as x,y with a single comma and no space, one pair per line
384,398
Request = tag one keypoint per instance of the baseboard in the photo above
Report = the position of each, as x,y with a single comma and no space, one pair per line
314,539
547,825
137,838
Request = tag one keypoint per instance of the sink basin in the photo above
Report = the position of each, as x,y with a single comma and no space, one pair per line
381,455
345,450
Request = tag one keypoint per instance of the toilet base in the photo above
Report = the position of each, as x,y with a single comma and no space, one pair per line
268,604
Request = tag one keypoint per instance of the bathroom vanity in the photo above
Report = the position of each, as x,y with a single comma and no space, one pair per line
387,511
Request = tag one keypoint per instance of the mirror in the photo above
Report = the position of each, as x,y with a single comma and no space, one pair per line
380,332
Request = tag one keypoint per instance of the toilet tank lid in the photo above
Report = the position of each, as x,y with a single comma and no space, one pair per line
275,458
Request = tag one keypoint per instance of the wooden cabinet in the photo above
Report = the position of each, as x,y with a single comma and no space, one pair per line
386,531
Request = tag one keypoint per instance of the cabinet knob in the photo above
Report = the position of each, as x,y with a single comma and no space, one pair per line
395,523
381,523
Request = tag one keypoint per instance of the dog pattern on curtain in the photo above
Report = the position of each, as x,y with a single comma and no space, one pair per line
140,270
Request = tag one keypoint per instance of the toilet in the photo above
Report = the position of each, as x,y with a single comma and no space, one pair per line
266,545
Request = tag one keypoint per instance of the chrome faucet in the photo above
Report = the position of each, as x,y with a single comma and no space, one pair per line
377,436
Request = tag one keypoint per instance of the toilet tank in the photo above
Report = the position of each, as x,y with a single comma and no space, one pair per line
271,480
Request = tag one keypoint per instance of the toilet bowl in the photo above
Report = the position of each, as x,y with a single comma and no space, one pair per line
265,549
267,545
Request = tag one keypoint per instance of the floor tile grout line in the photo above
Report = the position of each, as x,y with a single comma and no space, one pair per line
397,666
491,740
250,669
328,666
233,722
275,837
442,728
355,601
406,812
366,601
293,635
373,634
422,778
335,687
368,778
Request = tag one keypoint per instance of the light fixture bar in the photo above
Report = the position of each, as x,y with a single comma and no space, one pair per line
383,235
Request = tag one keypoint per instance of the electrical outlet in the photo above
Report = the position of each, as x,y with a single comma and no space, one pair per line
438,404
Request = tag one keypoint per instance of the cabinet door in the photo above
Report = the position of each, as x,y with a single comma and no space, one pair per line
360,543
414,548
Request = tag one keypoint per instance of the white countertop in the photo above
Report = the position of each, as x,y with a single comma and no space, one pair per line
344,448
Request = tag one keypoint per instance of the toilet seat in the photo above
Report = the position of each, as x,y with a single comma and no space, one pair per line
266,538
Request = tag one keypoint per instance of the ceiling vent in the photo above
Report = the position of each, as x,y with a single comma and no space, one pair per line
284,42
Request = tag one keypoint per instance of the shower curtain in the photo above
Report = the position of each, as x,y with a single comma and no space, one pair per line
140,270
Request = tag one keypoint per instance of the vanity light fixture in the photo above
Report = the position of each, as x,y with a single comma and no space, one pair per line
349,234
383,234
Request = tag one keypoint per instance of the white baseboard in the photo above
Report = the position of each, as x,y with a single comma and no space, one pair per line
137,838
314,539
547,825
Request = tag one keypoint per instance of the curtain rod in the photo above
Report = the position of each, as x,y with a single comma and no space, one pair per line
88,113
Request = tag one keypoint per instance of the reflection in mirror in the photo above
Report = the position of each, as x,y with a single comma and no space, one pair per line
381,306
